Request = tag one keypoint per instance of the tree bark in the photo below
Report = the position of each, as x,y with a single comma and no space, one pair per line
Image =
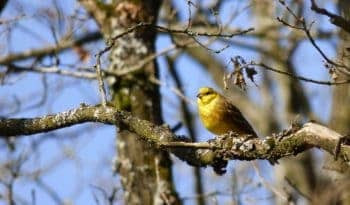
145,173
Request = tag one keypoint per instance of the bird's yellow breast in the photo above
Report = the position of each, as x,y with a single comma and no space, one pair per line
212,116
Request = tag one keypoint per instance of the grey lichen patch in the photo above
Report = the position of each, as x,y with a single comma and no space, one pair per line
232,146
140,45
42,124
97,113
247,146
59,119
128,52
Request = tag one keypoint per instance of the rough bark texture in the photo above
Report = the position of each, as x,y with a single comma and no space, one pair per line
145,173
214,152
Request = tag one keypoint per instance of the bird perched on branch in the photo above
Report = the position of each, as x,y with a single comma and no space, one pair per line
219,115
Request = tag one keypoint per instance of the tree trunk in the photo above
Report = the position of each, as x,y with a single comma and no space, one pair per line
145,173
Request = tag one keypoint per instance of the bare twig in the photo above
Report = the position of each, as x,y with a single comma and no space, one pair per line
49,190
298,77
335,19
300,20
62,46
297,189
177,91
171,31
12,20
274,190
101,86
328,60
189,21
54,70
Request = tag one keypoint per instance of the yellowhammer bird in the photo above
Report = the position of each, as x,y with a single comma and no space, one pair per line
219,115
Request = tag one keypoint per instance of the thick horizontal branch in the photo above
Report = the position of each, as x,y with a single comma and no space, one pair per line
215,152
28,126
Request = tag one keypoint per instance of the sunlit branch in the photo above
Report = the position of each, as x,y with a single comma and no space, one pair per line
214,152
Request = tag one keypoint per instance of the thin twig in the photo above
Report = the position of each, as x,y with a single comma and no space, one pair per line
204,34
101,86
177,91
298,77
313,42
189,21
335,19
62,46
297,189
341,67
112,41
268,185
54,70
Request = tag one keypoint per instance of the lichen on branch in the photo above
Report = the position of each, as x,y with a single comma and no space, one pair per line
215,152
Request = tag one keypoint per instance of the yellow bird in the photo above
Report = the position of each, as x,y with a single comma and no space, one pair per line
219,115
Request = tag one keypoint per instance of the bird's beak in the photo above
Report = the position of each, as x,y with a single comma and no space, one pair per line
199,95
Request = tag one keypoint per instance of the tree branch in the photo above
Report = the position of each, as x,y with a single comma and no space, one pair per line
214,152
41,52
335,19
297,77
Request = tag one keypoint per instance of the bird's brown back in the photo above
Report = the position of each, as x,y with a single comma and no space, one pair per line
235,117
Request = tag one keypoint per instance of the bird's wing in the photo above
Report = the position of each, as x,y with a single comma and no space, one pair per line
238,119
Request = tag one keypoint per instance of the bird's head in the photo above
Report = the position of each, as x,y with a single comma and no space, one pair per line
206,95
